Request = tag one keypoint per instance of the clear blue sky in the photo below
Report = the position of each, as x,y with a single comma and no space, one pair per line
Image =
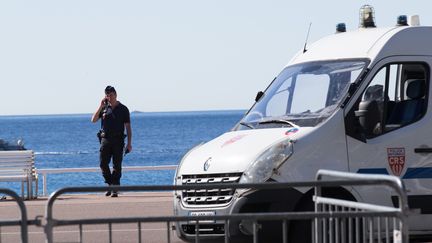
56,57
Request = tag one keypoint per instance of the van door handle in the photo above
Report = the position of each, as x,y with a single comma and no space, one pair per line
423,150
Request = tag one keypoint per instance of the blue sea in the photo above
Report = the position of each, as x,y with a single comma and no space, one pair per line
69,141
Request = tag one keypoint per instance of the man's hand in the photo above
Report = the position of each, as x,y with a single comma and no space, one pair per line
129,148
104,102
95,116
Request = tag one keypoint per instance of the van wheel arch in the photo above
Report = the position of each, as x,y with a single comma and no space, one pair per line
298,229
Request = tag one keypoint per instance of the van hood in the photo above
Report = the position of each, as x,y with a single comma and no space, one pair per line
234,151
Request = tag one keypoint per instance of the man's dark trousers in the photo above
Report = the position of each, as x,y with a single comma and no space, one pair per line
111,148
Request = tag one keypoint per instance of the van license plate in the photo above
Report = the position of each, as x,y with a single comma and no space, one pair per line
202,213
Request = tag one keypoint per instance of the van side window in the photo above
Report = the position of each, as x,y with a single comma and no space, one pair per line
396,97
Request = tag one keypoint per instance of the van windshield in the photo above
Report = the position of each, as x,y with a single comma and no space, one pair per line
303,95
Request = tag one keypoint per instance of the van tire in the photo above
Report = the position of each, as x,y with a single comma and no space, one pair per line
299,229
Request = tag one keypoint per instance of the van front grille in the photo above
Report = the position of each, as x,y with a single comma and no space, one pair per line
209,196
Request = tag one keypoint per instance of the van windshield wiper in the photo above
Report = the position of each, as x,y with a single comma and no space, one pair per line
247,125
278,121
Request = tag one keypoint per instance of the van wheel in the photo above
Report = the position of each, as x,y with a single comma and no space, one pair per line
299,230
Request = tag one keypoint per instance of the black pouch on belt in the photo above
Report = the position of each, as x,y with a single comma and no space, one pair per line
100,135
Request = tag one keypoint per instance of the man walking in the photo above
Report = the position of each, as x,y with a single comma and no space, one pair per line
115,118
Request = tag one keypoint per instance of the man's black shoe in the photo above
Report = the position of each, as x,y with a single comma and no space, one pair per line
114,194
108,193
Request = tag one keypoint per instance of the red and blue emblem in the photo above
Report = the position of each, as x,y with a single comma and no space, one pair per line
291,131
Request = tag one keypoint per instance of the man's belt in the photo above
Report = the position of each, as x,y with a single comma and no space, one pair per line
113,135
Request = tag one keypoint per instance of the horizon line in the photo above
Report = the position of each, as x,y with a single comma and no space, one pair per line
131,112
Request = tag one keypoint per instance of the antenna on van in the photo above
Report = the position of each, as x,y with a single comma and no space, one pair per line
307,37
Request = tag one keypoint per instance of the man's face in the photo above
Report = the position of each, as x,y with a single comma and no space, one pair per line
111,96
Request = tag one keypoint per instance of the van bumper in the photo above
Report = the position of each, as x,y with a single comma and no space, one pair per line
280,200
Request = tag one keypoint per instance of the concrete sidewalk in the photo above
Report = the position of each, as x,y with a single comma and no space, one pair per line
85,206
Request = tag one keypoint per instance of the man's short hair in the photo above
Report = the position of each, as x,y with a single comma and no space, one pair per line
110,89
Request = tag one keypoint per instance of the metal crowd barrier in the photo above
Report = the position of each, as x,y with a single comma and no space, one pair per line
350,224
328,222
22,222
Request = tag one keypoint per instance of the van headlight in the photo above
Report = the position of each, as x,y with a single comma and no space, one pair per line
270,160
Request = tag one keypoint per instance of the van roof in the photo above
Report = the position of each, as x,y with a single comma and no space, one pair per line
371,43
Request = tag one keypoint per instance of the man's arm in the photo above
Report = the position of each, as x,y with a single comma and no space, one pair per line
129,136
95,116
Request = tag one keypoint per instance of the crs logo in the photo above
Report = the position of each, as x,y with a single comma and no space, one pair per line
396,160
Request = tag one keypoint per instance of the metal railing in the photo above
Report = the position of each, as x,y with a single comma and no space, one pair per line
320,233
45,172
356,228
23,221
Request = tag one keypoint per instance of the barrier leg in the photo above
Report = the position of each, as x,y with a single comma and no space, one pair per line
37,186
22,189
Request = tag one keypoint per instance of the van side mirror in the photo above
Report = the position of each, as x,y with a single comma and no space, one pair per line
369,117
258,96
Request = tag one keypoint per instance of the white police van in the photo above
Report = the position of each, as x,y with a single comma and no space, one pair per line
354,101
